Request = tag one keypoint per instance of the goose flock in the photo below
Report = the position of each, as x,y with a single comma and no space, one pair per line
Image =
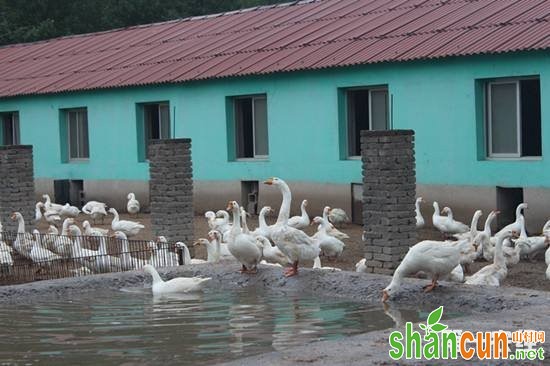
450,259
282,244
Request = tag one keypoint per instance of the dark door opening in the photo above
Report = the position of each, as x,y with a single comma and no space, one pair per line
69,191
507,201
249,196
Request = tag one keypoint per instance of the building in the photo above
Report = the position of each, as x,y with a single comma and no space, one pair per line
284,91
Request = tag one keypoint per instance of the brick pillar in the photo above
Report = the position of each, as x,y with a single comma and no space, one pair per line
16,185
171,189
389,190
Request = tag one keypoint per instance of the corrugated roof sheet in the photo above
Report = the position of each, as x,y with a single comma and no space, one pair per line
296,36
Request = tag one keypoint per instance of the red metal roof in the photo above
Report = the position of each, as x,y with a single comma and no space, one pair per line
302,35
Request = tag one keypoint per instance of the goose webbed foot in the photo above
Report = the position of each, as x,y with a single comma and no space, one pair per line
430,287
243,269
292,271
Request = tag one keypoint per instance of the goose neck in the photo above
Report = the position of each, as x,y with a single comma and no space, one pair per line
284,212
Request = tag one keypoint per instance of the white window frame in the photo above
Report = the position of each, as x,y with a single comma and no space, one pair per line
67,116
490,153
369,90
252,99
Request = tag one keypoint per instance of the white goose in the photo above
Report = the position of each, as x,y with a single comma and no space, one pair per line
547,259
436,258
473,227
51,206
294,243
516,225
63,245
69,211
361,266
453,226
222,221
51,216
105,262
212,250
215,237
161,255
419,218
331,230
272,254
93,231
302,221
187,256
175,285
133,205
24,242
241,244
337,216
128,262
96,210
263,229
533,244
6,259
492,274
330,246
130,228
39,254
317,265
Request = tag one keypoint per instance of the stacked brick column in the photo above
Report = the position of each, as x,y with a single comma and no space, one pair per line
389,189
171,189
16,184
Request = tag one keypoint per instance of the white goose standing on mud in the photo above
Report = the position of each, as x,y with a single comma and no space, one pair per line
130,228
302,221
420,222
294,243
132,206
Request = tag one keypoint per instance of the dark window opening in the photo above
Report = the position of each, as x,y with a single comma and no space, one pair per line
251,127
531,144
156,122
367,109
10,128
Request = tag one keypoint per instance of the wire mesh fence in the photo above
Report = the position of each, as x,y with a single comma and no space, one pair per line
34,257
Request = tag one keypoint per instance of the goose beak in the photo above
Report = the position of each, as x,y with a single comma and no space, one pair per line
497,212
229,206
385,296
268,181
13,216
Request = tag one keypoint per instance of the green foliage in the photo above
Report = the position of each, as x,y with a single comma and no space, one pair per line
33,20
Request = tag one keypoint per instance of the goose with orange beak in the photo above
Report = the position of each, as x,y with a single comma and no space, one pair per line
294,243
241,245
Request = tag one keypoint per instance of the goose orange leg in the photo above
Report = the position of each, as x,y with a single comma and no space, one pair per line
430,287
292,271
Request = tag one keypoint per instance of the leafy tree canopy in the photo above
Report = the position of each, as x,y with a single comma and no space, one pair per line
33,20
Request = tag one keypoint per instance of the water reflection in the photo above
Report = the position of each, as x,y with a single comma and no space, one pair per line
131,326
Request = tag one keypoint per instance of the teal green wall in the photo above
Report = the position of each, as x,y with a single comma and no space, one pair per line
435,98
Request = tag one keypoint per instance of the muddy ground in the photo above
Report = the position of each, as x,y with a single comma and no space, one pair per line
524,274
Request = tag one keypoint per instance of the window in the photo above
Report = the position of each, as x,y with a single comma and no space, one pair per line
251,127
9,129
77,133
513,118
156,118
367,109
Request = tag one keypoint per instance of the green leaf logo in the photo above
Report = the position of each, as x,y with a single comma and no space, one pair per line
432,324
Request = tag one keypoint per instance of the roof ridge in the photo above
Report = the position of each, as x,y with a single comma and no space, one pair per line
178,20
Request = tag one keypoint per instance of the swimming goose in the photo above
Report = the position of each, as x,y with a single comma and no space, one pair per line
272,254
132,206
24,242
178,284
331,247
419,218
241,244
129,228
436,258
294,243
337,216
93,231
492,274
516,225
96,210
187,256
302,221
317,265
69,211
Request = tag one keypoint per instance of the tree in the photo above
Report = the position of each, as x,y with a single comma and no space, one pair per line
33,20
